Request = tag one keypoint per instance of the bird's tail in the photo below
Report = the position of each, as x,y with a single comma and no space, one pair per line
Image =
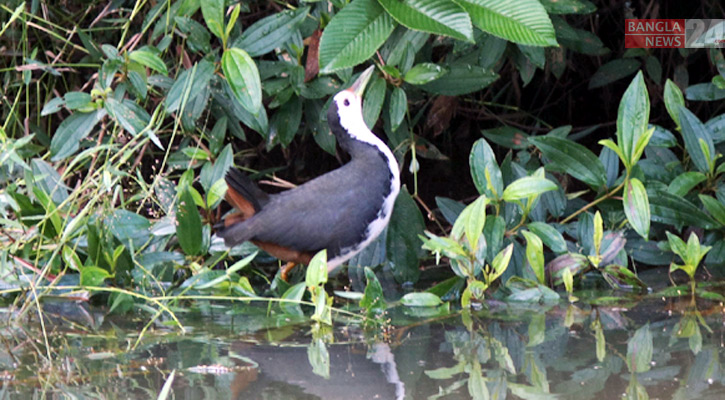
244,194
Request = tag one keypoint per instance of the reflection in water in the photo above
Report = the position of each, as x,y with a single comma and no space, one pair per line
652,350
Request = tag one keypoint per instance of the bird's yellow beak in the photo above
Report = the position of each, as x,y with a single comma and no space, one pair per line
359,86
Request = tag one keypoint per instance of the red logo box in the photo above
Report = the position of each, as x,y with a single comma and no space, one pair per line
654,33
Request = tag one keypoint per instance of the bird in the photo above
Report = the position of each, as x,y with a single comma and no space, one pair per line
341,211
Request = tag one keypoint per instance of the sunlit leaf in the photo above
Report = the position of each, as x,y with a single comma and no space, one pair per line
440,17
636,206
243,77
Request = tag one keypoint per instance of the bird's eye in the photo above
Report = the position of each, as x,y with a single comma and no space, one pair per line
346,102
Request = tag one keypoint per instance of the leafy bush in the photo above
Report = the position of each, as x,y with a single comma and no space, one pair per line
118,131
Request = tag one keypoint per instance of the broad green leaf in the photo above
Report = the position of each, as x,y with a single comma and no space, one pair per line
704,92
271,32
527,186
441,17
684,182
373,300
286,121
669,209
461,79
424,73
673,101
614,71
485,171
319,358
190,81
714,207
508,137
71,131
149,59
598,232
373,100
403,245
523,21
549,235
53,106
621,278
93,276
574,262
573,158
501,262
213,12
636,206
243,77
535,254
421,299
450,209
632,117
77,100
639,350
128,114
398,107
475,215
608,143
316,274
692,132
197,36
568,6
353,35
188,229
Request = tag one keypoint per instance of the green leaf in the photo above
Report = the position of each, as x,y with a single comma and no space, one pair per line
76,100
373,300
684,182
373,100
461,79
549,235
243,77
639,350
636,206
535,254
608,143
421,300
128,114
71,131
475,219
501,262
188,229
441,17
704,92
200,75
714,207
523,21
93,276
213,12
621,278
613,71
669,209
52,107
424,73
398,107
353,35
286,121
673,101
316,275
271,32
485,171
573,158
692,132
149,59
632,117
527,186
403,246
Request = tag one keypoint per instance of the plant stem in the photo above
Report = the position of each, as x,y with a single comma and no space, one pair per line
593,203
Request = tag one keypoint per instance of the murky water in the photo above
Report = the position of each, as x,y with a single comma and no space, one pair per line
661,348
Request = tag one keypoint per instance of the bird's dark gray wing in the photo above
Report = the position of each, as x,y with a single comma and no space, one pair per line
331,211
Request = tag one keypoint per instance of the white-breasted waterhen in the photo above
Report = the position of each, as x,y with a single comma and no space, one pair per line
341,211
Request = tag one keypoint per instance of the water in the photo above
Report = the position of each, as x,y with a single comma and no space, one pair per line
661,348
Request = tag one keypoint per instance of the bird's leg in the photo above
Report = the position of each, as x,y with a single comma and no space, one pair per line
286,270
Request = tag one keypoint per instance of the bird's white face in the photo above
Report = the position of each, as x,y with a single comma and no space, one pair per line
349,106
